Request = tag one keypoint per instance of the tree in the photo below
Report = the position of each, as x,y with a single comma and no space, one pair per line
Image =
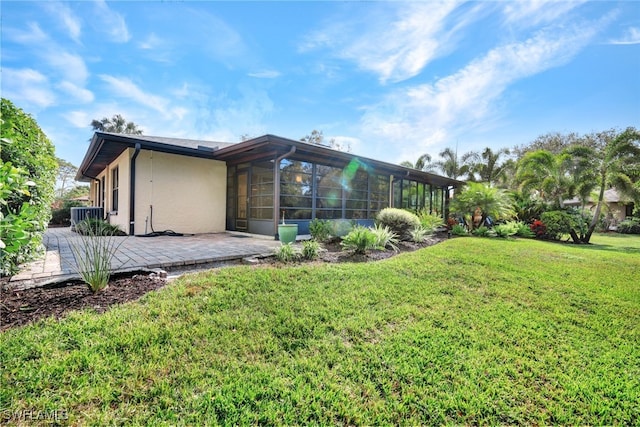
549,174
554,143
453,166
614,162
116,124
27,185
423,163
487,165
317,137
66,174
478,198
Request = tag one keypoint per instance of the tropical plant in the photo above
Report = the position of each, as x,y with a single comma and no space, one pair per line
423,163
539,229
385,237
487,166
28,179
614,162
116,124
310,249
453,166
94,252
429,221
320,229
477,199
508,229
286,253
399,221
481,231
549,175
419,234
360,239
459,230
97,227
524,230
558,223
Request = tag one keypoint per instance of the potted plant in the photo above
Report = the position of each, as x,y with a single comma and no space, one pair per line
287,233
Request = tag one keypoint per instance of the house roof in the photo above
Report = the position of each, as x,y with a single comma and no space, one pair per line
106,147
610,196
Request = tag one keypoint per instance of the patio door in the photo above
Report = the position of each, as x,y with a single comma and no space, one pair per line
242,201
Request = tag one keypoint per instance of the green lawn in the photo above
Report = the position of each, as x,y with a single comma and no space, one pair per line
470,331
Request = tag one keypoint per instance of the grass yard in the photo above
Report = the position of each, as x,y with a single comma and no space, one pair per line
470,331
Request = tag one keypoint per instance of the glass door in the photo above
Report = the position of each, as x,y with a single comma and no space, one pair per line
242,201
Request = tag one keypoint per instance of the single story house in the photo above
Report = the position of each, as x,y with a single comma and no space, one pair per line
146,183
616,210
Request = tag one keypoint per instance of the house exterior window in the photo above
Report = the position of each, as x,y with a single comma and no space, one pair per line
114,189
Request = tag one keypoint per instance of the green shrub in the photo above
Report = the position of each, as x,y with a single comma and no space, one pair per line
508,229
360,239
458,230
286,253
320,229
26,148
399,221
17,225
97,227
385,238
310,249
94,252
481,231
430,221
419,234
630,225
558,223
62,215
524,230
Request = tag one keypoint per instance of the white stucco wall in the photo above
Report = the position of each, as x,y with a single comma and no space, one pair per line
188,194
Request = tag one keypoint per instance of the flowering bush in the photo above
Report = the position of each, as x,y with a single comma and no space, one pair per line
539,229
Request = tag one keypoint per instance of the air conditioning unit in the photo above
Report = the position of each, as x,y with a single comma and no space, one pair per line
81,213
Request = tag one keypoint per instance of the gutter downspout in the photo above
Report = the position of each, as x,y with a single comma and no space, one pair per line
132,189
276,189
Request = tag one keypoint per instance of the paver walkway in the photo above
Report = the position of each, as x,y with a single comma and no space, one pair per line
140,253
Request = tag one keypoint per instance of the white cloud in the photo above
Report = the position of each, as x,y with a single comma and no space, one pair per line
535,12
631,36
27,86
79,119
125,88
151,42
112,23
429,114
67,18
79,94
33,35
265,74
394,49
72,67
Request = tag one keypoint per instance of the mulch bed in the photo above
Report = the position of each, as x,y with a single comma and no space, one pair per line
20,307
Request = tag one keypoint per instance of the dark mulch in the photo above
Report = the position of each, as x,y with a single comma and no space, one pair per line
19,308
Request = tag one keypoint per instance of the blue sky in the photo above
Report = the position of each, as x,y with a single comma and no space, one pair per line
393,80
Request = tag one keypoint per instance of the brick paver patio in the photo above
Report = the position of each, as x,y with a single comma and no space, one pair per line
141,253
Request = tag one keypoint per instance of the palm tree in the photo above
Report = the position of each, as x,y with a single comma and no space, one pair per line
116,124
487,165
549,174
615,162
454,167
423,163
489,201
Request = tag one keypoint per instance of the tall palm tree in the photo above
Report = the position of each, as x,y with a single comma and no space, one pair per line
487,165
423,163
453,166
549,174
116,124
615,162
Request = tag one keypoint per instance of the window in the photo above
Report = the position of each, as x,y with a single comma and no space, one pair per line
261,193
296,189
114,189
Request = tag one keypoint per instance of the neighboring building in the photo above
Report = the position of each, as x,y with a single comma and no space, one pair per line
192,186
616,210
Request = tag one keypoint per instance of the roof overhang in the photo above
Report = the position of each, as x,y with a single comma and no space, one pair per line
106,147
269,147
